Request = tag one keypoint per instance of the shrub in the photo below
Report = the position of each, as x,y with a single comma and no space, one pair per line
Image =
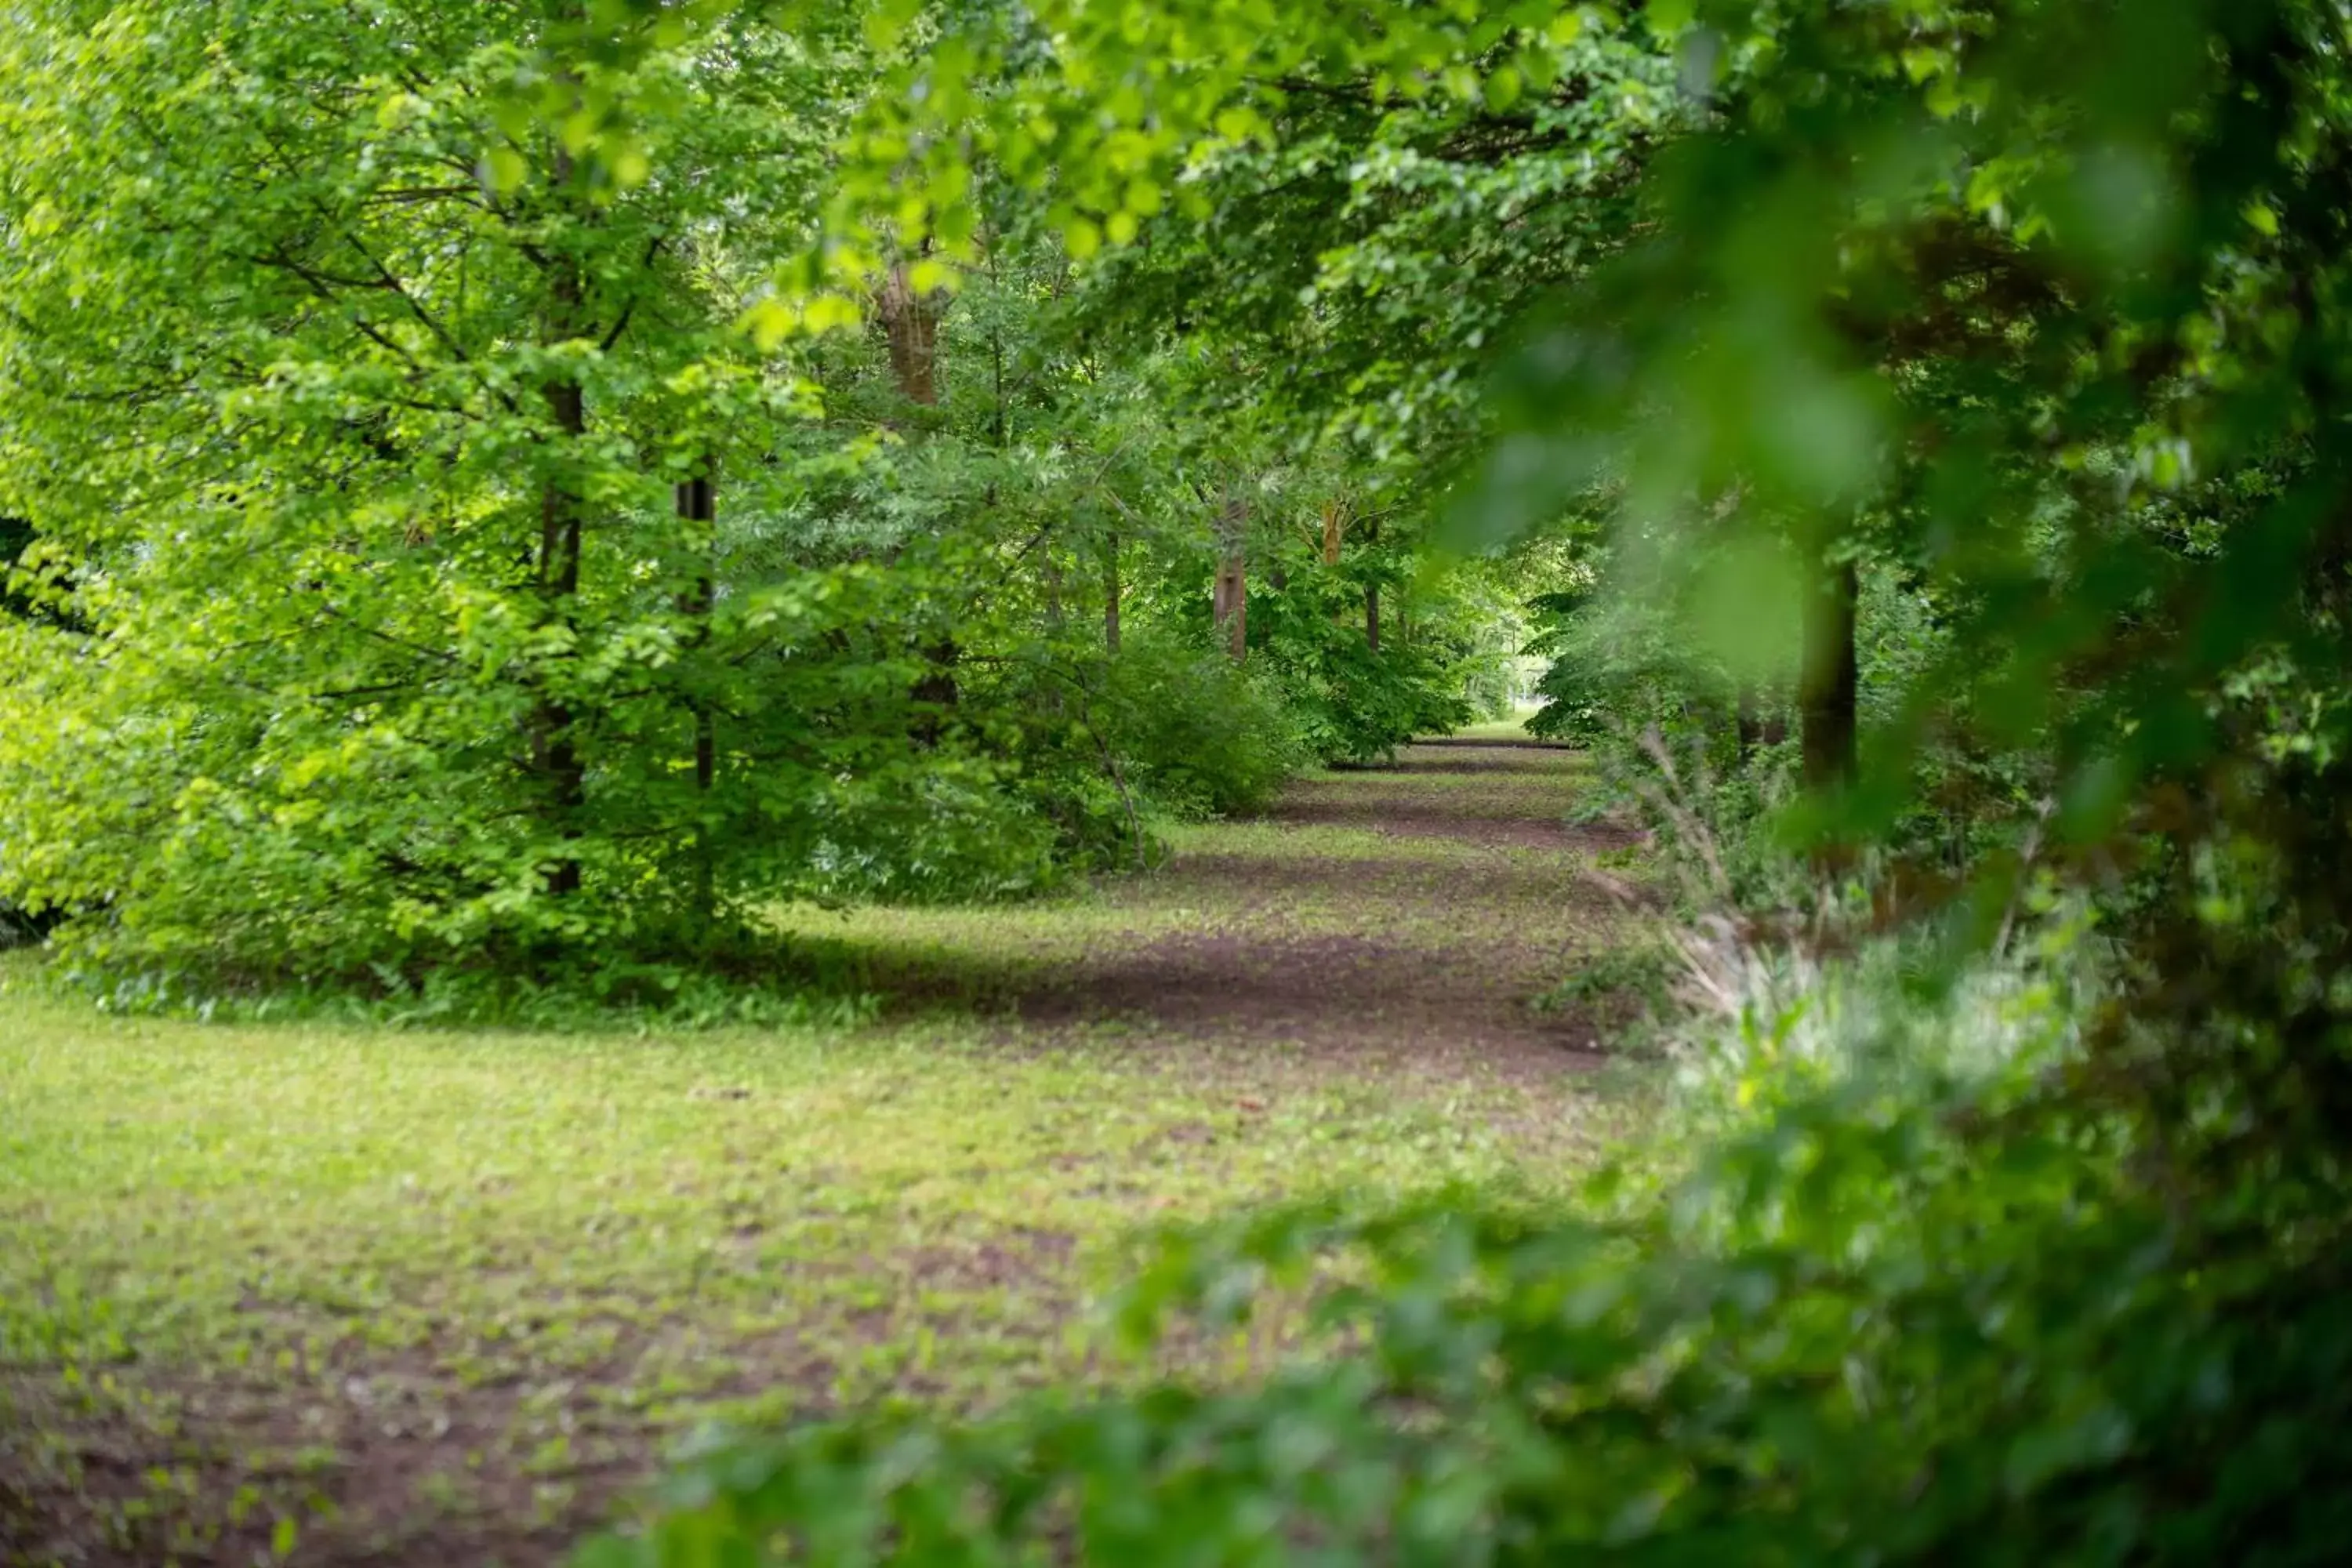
1354,702
1196,735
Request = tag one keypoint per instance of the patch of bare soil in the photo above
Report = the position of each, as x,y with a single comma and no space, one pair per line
1482,792
1429,970
1469,821
1349,1000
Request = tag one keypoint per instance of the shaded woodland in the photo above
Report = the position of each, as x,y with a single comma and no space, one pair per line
1713,632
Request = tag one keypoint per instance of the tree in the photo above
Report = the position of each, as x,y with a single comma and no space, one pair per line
447,347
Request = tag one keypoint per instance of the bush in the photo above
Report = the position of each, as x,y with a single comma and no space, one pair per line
1766,1026
1357,705
223,835
1354,703
1194,734
1614,672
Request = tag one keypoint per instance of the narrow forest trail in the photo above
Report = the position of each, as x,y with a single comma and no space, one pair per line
1395,921
1400,918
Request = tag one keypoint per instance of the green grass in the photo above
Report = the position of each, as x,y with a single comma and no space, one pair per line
1513,728
385,1289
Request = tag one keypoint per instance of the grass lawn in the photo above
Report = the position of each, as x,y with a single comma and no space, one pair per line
1513,727
345,1295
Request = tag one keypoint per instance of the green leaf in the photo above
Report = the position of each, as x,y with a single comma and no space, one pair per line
504,169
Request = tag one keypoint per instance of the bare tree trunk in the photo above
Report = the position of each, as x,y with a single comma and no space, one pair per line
555,753
697,506
1829,700
1110,592
1230,598
1230,602
912,321
1335,521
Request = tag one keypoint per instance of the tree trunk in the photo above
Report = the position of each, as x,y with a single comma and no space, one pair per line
555,753
697,506
1335,518
1110,593
1230,605
1229,599
912,321
1828,699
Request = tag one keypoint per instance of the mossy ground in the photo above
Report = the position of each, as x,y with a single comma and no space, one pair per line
378,1295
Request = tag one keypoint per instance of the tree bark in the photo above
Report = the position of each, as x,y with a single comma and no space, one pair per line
912,321
555,753
698,507
1230,605
1829,701
1110,593
1229,599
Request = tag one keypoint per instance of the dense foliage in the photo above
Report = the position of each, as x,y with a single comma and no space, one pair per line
424,571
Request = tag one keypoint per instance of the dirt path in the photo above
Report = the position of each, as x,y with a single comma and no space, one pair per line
1396,922
1400,918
